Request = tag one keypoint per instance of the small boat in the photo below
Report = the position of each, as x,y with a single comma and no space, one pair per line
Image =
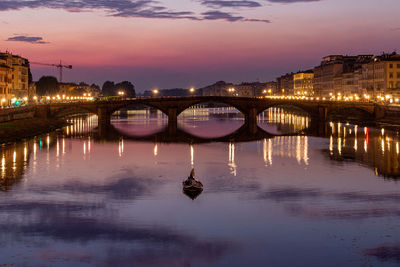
191,184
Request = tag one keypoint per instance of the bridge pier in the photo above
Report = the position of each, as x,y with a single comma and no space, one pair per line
104,120
322,113
379,112
251,120
172,115
172,121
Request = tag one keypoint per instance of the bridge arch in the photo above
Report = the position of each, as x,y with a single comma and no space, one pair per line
136,104
350,113
216,100
293,106
70,110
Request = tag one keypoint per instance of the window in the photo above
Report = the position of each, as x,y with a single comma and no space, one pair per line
391,66
398,66
390,85
398,75
391,75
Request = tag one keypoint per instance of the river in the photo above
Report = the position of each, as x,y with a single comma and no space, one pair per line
290,197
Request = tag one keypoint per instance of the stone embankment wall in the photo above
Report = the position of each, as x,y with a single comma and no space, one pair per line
20,113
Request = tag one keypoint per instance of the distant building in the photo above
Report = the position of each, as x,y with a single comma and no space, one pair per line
303,83
269,88
285,84
220,88
381,76
20,77
245,89
14,77
5,79
73,89
31,91
329,75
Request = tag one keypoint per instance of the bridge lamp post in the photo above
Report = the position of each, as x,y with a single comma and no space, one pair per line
121,93
231,90
192,90
155,92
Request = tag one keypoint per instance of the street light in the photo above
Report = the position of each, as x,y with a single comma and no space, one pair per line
120,93
155,92
192,90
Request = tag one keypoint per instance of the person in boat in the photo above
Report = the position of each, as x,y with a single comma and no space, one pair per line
190,180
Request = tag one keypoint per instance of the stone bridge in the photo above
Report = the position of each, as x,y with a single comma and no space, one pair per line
249,107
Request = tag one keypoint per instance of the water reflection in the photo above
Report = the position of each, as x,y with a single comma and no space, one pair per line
72,197
376,148
283,121
373,147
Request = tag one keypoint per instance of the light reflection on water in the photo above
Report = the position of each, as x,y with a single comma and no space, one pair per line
68,198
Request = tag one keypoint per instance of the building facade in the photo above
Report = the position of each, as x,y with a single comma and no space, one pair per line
381,76
338,75
5,79
14,78
285,84
303,83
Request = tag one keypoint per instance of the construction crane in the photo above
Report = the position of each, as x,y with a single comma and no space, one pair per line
58,66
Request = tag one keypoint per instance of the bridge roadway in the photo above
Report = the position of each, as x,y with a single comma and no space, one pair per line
172,107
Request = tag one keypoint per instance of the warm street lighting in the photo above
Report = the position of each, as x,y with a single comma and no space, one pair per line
231,90
120,93
155,91
192,90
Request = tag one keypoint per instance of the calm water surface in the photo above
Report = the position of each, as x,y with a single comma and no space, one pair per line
328,197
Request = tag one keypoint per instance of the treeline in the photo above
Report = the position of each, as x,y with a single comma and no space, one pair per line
112,89
49,85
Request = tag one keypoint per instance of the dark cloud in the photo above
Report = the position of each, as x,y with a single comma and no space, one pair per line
237,3
294,193
200,252
27,39
368,198
385,253
125,186
31,207
219,15
292,1
124,8
343,214
289,193
147,245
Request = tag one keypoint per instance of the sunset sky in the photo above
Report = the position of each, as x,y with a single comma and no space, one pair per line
183,43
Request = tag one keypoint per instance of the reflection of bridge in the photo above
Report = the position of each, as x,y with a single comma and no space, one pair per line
181,136
249,107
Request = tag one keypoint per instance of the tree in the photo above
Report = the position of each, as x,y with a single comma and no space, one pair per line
108,88
47,85
111,89
95,87
127,87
